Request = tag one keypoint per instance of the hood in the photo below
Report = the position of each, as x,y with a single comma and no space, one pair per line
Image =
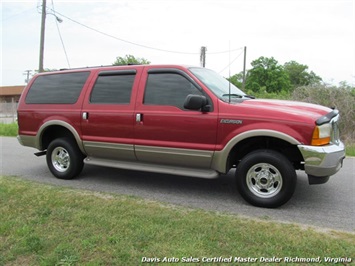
287,110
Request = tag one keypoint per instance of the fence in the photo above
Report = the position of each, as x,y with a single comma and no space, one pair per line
8,112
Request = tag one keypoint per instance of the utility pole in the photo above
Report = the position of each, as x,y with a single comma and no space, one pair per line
203,56
245,59
41,46
27,73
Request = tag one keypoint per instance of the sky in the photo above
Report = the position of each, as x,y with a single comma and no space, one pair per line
316,33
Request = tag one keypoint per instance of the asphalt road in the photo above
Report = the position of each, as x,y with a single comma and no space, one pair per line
329,206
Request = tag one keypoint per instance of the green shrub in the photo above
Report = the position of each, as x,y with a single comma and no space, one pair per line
8,129
341,98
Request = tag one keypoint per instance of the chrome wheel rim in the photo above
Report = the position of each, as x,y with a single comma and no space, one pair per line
60,159
264,180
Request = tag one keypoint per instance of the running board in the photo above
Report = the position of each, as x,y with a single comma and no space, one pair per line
40,153
163,169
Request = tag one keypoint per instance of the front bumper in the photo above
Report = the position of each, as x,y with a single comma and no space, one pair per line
322,161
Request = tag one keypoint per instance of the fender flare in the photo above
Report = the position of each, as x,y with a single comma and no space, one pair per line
41,130
220,158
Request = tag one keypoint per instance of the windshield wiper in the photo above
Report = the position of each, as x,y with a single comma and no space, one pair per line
233,95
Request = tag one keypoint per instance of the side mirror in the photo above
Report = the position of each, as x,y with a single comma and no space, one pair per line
196,102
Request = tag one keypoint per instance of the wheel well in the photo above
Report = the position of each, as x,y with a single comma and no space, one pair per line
291,152
54,132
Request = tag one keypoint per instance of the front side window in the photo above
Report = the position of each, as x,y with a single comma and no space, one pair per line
62,88
168,89
112,89
220,86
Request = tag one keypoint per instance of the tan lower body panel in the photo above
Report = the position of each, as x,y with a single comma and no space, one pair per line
108,150
174,156
186,162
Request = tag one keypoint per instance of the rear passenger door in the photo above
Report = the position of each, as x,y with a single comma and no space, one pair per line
108,115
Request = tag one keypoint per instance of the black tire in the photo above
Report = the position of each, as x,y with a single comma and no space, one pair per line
266,178
64,158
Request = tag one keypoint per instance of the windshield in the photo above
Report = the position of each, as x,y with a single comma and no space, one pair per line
220,86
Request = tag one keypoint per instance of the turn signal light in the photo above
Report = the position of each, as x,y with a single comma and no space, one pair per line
321,135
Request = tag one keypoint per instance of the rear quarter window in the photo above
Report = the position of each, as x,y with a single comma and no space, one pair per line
62,88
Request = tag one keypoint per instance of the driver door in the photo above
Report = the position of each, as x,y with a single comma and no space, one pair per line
165,132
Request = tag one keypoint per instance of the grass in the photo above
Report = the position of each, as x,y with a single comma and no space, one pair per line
350,150
9,130
48,225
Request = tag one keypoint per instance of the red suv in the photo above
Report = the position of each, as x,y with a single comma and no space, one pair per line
178,120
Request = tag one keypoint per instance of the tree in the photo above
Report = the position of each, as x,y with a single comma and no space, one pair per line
130,60
299,75
237,79
267,74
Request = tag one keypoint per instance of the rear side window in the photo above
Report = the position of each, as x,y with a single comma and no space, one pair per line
112,89
63,88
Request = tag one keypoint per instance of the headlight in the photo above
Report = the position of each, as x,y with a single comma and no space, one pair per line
321,135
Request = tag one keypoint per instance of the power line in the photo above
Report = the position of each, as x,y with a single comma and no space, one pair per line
231,62
60,35
122,40
137,44
17,14
227,51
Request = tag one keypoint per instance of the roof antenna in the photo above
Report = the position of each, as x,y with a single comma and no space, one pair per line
229,70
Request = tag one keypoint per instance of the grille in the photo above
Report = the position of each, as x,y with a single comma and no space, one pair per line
335,136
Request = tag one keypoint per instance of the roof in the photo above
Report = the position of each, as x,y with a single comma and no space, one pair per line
111,67
11,90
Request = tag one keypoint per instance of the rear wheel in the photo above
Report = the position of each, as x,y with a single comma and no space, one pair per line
64,158
266,178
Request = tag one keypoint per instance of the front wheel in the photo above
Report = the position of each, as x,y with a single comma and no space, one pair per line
266,178
64,158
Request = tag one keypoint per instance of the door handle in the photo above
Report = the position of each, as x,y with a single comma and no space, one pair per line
139,118
85,115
